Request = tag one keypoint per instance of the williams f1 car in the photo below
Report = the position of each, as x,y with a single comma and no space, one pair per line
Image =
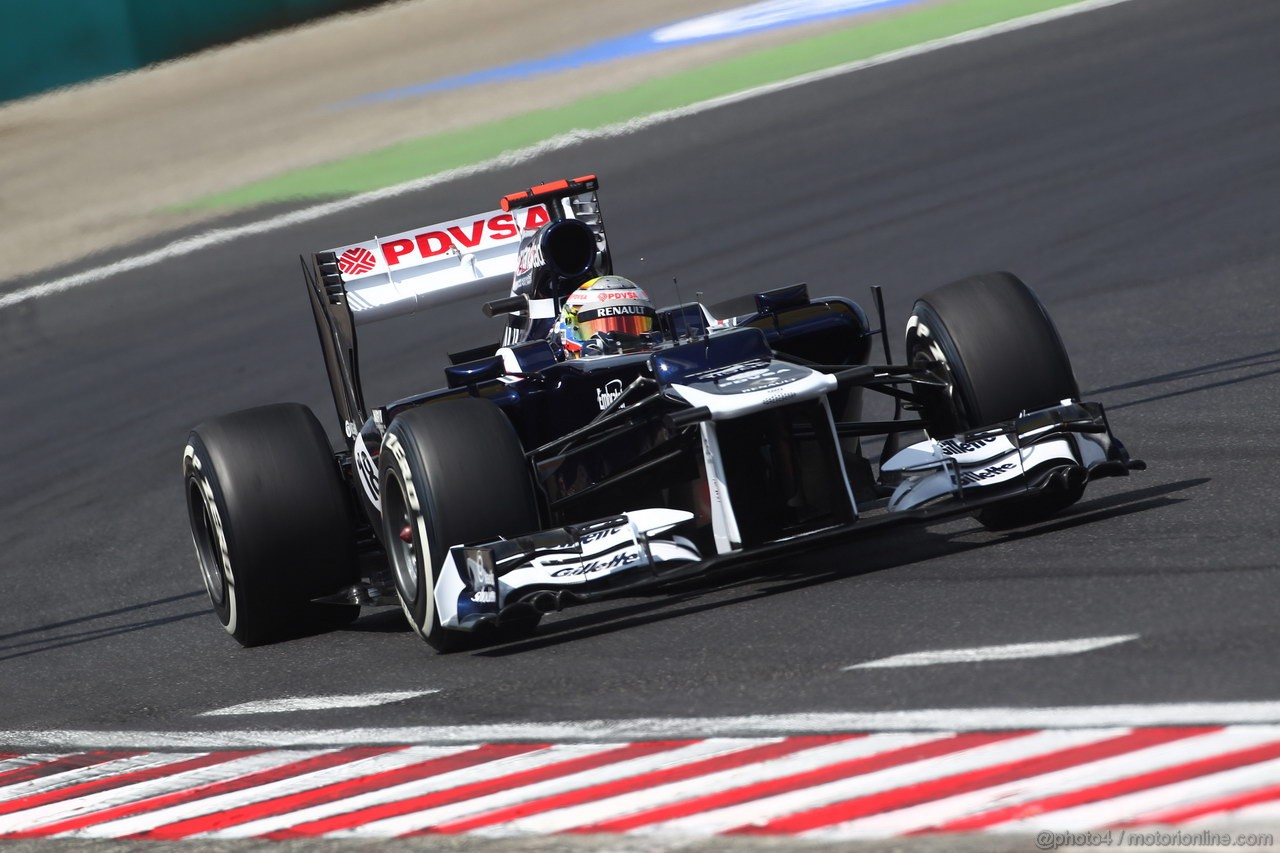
560,466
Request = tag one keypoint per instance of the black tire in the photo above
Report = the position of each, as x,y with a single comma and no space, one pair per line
270,521
1003,356
450,472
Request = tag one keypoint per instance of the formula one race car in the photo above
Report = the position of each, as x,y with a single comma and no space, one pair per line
604,445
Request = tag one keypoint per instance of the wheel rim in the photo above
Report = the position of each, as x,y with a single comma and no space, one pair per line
406,561
208,551
929,348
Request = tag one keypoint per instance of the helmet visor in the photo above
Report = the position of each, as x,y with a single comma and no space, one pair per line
591,323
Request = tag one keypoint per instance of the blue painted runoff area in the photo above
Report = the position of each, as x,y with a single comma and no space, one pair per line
730,23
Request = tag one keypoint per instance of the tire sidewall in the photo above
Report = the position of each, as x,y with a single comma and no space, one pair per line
279,522
201,484
402,470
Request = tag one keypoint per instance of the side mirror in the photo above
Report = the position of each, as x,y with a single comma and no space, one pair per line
474,372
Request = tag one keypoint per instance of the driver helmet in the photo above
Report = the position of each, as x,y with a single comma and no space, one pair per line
606,304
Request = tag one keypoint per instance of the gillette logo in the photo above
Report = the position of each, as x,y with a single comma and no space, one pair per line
617,561
951,447
969,478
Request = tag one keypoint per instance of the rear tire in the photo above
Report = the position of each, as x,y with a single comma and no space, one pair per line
270,522
450,472
1003,356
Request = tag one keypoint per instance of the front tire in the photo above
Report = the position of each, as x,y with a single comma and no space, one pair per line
270,522
450,472
993,339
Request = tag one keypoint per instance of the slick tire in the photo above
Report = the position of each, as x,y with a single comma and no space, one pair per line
449,472
270,521
1003,356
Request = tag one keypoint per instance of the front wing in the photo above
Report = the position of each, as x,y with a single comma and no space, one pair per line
1060,448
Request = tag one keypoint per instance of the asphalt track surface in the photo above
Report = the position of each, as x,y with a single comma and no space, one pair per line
1124,162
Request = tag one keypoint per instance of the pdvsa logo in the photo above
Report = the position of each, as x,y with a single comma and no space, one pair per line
357,261
460,236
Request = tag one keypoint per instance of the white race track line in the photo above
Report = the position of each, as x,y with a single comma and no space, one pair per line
978,654
220,236
290,704
656,728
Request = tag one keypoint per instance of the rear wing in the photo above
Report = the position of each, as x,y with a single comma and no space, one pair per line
404,273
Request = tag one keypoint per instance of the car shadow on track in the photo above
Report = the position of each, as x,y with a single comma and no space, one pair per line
382,620
1229,365
17,644
886,550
